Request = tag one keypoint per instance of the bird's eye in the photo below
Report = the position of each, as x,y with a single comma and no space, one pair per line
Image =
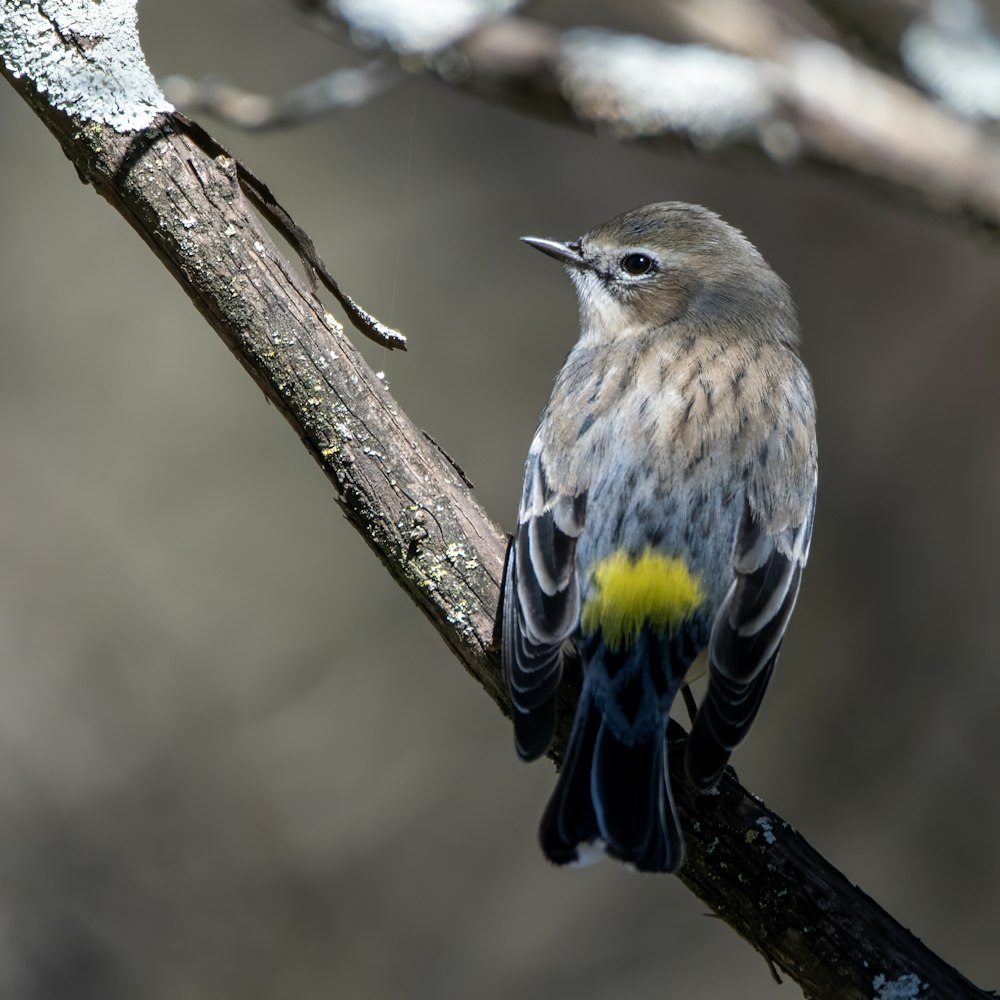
637,264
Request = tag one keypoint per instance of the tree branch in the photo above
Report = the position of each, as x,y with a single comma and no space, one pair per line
744,85
420,518
949,50
337,91
802,102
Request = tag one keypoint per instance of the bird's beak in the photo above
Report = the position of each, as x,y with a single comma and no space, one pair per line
566,253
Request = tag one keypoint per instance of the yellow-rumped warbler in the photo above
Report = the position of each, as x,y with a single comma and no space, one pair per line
667,507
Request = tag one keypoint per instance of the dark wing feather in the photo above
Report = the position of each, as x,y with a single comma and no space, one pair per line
746,638
541,605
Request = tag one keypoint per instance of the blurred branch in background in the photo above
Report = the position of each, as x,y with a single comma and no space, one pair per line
743,80
337,91
948,48
186,198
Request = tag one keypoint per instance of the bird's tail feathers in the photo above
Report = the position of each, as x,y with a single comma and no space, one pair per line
612,797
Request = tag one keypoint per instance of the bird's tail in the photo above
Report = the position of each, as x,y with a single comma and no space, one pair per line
612,797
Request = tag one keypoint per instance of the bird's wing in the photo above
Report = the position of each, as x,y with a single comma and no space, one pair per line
541,604
747,635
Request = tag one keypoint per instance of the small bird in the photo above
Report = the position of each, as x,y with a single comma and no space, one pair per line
667,508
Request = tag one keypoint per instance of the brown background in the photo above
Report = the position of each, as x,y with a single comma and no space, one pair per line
236,761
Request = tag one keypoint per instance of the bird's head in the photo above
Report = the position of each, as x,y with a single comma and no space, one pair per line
666,262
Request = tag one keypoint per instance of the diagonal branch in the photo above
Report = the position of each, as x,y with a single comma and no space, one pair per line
421,520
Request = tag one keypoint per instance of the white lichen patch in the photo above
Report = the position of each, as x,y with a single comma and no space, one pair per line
417,27
767,828
908,987
459,615
86,56
642,87
956,56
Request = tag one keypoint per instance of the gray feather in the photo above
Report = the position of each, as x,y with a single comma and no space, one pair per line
746,638
541,605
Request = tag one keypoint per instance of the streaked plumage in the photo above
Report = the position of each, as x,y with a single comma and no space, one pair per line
667,506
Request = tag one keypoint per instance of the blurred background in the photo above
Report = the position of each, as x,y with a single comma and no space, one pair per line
234,758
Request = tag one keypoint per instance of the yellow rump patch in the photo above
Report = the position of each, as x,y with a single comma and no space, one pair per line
626,593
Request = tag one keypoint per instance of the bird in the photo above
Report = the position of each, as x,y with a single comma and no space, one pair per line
666,509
